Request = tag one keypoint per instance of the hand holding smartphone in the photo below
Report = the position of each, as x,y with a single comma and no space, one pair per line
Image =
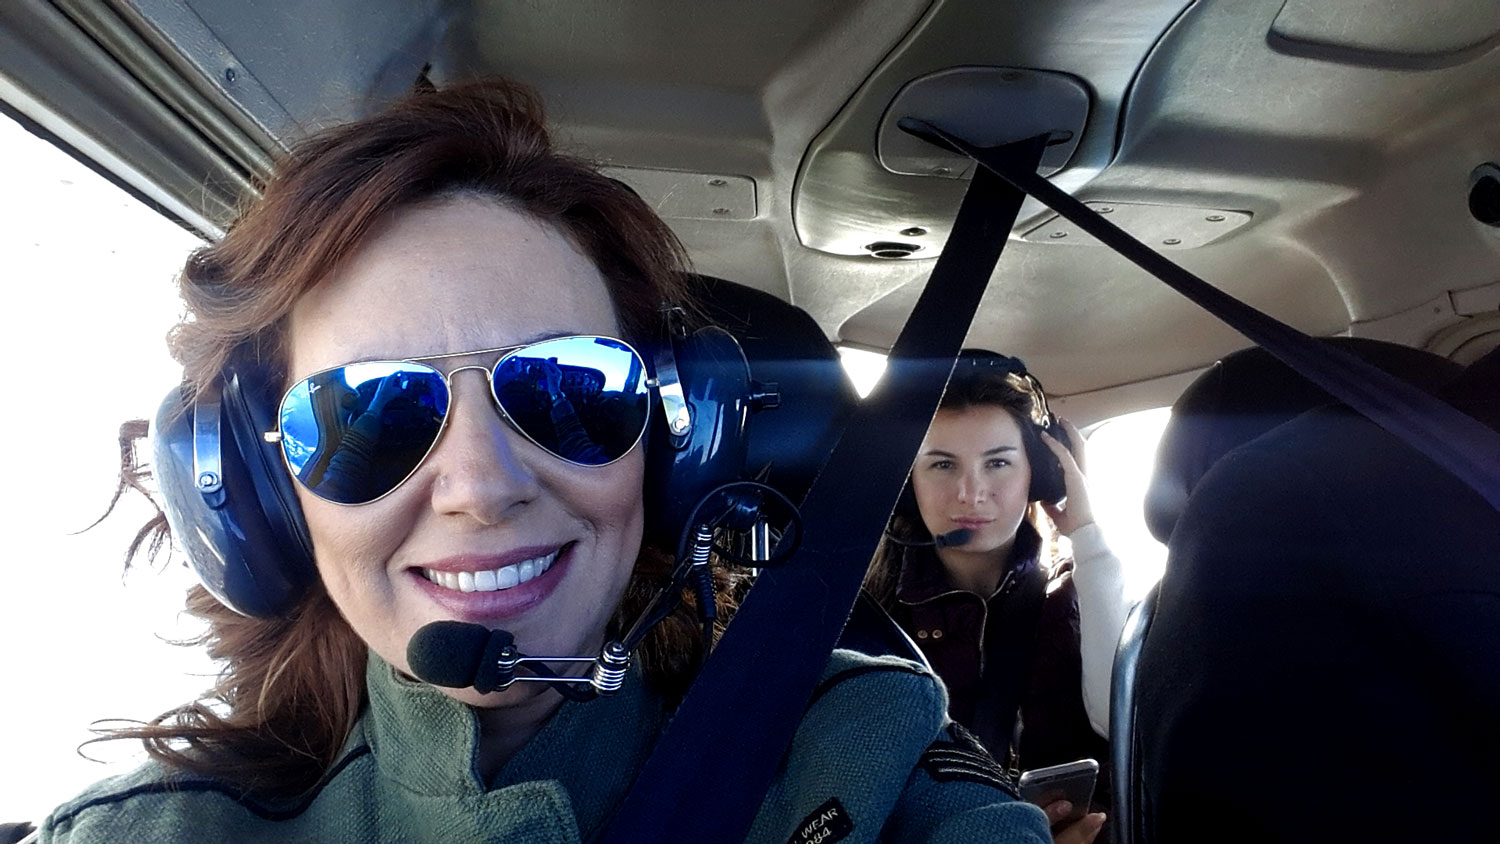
1070,781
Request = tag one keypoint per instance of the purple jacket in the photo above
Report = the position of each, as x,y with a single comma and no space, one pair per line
1013,653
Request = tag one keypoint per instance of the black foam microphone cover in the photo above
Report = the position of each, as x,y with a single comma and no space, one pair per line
455,654
952,538
489,677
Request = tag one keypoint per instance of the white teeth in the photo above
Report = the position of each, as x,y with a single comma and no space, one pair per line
492,580
507,577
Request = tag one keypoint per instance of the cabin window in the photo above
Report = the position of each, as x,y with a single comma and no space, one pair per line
89,296
1121,454
864,368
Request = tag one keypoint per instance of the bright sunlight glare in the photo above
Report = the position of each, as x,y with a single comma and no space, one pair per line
1121,454
863,368
88,304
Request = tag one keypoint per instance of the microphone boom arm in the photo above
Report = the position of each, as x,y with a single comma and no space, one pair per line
496,662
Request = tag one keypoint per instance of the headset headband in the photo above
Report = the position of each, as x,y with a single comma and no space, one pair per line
1017,376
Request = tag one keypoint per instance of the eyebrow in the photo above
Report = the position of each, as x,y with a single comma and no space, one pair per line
999,449
540,336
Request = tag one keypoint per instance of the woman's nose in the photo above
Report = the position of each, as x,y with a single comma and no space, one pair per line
478,469
972,488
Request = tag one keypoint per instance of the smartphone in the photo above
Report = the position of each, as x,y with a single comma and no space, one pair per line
1070,781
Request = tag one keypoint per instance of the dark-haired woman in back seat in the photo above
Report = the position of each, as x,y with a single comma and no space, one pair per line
1024,647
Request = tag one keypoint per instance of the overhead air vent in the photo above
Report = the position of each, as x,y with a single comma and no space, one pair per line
891,249
1484,194
1469,340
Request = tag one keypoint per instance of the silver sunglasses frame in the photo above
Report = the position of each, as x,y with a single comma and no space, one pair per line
277,437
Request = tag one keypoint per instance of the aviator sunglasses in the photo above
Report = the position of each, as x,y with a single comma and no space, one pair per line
352,434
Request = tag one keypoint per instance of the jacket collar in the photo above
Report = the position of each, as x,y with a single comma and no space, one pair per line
429,742
922,578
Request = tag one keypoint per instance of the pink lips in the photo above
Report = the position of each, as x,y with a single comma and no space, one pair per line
971,524
478,607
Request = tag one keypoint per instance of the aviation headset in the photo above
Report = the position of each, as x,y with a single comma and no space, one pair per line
1047,483
232,508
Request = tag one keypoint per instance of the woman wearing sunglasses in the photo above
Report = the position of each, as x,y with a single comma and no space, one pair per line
1025,647
444,319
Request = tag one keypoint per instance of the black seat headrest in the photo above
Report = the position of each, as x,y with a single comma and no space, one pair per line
1245,395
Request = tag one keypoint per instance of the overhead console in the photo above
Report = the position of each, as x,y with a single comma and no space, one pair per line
995,105
867,189
1387,33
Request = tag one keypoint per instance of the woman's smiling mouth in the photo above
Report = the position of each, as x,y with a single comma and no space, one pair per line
486,588
491,580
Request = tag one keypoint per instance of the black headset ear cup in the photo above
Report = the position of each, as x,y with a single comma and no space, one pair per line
768,397
1047,481
790,356
249,401
243,535
682,468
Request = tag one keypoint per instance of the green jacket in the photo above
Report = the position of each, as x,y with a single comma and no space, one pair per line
875,757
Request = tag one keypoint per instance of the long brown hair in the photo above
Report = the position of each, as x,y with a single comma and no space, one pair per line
291,688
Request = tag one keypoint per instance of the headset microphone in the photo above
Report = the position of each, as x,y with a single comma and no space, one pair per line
943,540
953,538
457,655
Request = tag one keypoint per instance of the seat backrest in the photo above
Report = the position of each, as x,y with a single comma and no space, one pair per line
1237,400
1127,811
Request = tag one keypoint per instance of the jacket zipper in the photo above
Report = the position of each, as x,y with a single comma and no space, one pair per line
984,608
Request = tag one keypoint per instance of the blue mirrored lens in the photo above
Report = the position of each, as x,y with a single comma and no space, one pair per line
584,399
354,433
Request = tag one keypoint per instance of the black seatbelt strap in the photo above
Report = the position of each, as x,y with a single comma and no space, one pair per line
707,776
1460,444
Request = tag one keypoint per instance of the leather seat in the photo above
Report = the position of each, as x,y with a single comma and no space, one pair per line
1240,398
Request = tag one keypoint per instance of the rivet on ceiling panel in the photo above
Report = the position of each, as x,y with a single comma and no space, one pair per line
684,195
1158,226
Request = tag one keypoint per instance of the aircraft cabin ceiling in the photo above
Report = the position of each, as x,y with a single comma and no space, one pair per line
1322,159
